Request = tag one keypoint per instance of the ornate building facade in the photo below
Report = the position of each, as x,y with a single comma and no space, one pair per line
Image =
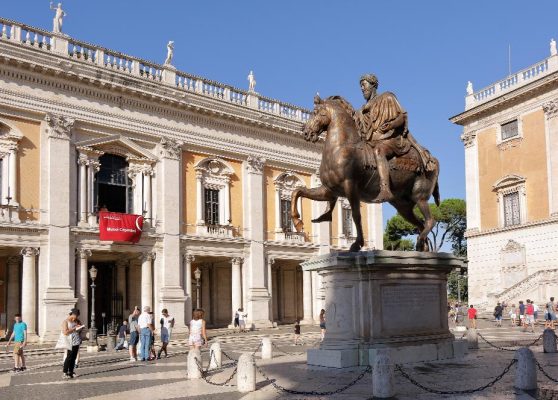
209,166
510,133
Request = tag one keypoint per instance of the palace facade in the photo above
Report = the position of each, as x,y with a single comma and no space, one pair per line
210,167
510,133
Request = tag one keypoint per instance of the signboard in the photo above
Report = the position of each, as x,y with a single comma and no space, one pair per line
118,227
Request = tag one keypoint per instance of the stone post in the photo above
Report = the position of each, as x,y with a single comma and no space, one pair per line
215,356
193,362
472,339
307,297
267,349
526,371
246,374
549,341
147,279
82,283
236,285
382,375
29,288
13,289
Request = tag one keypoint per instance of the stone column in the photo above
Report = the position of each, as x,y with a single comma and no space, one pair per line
29,288
270,262
199,198
12,188
551,128
472,180
93,166
236,285
278,227
82,283
5,172
82,162
136,175
147,279
147,207
226,201
307,297
188,260
121,284
256,292
13,289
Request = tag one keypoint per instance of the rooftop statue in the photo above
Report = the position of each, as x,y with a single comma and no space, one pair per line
170,52
251,82
369,155
58,17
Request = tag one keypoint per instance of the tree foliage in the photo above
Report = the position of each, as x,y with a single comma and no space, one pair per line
449,228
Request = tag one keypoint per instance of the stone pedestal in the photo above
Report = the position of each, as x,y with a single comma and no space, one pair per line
384,299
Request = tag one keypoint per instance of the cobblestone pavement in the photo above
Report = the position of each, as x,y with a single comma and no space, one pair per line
105,375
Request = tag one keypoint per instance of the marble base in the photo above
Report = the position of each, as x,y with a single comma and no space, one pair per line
382,299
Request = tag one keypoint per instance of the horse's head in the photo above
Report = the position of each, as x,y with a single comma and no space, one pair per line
318,122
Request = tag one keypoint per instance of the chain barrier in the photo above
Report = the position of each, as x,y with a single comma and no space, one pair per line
206,378
257,348
539,366
312,392
468,391
506,349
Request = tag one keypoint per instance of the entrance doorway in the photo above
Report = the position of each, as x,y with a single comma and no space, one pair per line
107,299
287,292
113,187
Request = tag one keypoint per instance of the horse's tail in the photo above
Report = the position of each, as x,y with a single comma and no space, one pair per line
436,193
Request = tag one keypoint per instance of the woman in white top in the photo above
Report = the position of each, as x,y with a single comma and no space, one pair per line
198,336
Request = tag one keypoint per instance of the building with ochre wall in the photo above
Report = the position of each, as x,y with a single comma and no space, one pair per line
211,167
510,133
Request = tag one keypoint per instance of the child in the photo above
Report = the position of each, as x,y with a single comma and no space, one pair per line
297,332
19,336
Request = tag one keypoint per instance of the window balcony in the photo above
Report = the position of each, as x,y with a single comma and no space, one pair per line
291,236
225,231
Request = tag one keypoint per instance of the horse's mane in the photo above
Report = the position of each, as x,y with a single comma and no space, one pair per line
344,104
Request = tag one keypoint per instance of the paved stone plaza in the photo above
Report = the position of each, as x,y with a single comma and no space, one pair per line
106,375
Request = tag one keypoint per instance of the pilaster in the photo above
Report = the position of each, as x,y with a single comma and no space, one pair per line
472,179
551,132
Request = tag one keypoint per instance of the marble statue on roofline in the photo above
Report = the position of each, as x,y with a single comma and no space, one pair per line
170,52
469,88
251,82
58,17
553,51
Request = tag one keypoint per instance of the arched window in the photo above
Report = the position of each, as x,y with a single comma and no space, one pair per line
285,184
511,200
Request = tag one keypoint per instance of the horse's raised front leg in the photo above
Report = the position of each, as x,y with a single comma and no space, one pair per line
354,201
319,194
326,217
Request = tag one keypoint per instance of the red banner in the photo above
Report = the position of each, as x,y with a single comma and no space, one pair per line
120,227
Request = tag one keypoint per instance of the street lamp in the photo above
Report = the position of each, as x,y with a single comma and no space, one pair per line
92,328
197,275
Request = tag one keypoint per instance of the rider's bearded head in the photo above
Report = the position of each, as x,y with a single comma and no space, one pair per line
368,88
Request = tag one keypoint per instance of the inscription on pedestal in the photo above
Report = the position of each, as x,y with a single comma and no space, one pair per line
408,308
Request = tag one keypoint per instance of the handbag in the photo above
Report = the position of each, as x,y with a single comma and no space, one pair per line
125,345
64,342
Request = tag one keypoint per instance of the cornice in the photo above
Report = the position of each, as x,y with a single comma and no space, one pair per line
473,233
507,100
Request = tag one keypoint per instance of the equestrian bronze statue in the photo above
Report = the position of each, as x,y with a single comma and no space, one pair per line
369,155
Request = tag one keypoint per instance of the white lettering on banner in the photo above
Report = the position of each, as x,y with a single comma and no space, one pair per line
109,229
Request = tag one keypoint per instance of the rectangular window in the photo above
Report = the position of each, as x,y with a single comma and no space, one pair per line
512,214
347,223
211,206
509,129
286,220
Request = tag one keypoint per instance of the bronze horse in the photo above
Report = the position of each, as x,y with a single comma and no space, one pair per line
343,173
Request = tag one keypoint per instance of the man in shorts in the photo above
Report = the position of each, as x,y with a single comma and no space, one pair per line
134,333
472,315
550,314
19,337
529,316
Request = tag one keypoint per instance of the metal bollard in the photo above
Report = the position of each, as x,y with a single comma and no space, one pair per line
246,373
193,364
267,351
383,375
526,371
549,341
472,339
215,356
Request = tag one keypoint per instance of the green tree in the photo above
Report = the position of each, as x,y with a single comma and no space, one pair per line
453,286
449,228
399,244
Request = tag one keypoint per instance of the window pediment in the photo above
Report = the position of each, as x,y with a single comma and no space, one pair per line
214,171
286,183
507,182
118,145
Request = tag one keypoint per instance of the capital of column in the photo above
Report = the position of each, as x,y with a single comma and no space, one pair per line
170,148
30,252
59,127
189,258
468,138
237,260
271,260
83,253
83,159
148,256
550,109
255,164
94,164
147,169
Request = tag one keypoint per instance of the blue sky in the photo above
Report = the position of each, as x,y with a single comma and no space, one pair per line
423,51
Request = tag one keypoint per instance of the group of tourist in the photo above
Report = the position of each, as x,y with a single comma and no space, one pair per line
141,327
